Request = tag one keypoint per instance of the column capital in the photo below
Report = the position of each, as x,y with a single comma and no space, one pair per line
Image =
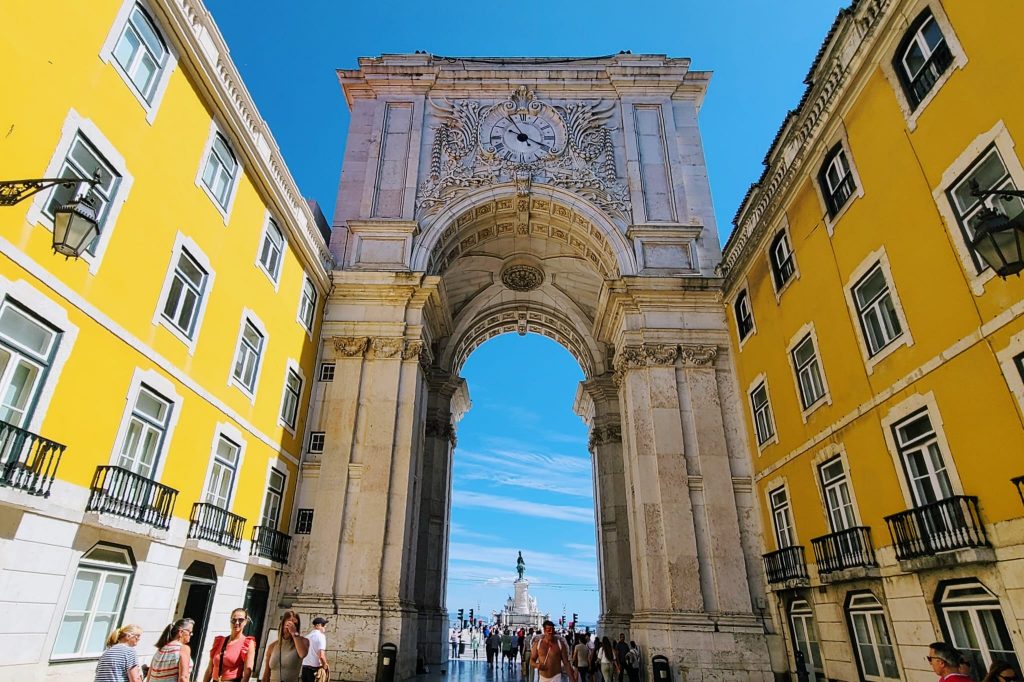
698,356
643,355
602,434
351,346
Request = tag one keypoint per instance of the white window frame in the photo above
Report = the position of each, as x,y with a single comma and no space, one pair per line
743,293
801,608
229,432
21,356
839,137
185,243
843,515
307,280
782,230
104,569
292,368
225,209
785,535
972,606
284,518
880,259
166,390
866,606
75,124
151,103
802,335
1000,137
269,224
327,371
774,436
248,316
1012,372
317,440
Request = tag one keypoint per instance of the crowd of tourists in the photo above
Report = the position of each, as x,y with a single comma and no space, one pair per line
952,666
293,657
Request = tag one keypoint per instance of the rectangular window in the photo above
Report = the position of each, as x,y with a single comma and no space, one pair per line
83,161
316,441
247,362
918,446
989,172
221,171
271,250
783,263
185,295
922,57
781,518
27,347
307,305
744,316
304,522
144,438
876,311
272,503
327,371
763,423
838,501
871,639
290,403
836,180
141,53
808,372
96,602
222,475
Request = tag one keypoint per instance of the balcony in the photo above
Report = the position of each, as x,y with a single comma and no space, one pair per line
210,522
785,564
123,493
270,544
850,548
943,526
27,461
936,65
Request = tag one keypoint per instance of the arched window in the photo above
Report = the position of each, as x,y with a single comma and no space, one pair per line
783,262
221,171
744,315
973,622
96,603
805,639
921,58
875,656
836,180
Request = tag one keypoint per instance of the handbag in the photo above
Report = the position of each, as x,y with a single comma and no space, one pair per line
322,675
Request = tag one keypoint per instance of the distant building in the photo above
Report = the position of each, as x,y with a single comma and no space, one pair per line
879,360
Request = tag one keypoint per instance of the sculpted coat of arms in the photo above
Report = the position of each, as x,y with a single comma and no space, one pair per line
523,140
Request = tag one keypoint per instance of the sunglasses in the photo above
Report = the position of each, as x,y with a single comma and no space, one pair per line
238,620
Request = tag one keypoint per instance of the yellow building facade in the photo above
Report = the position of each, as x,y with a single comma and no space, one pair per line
155,390
880,362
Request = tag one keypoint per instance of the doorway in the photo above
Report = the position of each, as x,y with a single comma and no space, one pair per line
256,596
195,601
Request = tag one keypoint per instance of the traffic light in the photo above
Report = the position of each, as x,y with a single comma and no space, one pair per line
471,621
575,619
460,618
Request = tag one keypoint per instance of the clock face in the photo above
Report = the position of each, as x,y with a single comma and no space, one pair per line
523,137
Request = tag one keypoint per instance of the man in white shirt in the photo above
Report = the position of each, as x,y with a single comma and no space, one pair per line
316,658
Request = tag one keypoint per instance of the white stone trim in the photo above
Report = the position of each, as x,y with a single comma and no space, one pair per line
224,211
780,481
826,397
107,56
249,316
75,299
160,384
827,454
782,226
761,378
291,365
898,413
232,433
837,136
907,16
1011,373
182,241
74,123
56,316
268,217
1000,137
881,258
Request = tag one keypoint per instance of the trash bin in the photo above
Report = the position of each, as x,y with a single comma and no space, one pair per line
660,671
387,661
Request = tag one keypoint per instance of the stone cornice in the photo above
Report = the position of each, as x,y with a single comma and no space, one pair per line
381,348
836,67
644,355
647,294
206,56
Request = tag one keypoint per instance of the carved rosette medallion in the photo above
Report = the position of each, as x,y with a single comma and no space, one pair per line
522,277
351,346
699,356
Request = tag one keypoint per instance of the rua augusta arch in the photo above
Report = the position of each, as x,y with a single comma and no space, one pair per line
553,196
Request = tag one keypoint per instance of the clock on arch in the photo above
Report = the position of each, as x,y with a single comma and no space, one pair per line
523,133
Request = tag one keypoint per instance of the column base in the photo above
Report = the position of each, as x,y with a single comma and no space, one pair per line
432,638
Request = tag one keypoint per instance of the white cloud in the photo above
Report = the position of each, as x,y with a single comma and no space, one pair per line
523,507
474,560
526,468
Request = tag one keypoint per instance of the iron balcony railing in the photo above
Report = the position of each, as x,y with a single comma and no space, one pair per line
952,523
124,493
28,461
841,194
785,564
849,548
936,65
270,544
210,522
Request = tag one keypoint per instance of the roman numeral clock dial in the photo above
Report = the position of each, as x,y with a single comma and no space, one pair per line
523,137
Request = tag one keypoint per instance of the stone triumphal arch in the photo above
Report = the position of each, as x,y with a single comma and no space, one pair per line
563,197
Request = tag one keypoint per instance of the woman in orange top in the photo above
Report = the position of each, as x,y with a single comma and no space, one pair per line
232,657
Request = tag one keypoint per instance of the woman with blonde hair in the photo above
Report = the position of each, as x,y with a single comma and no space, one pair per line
232,657
119,663
284,657
173,659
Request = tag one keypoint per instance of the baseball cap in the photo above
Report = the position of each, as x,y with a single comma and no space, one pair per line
319,621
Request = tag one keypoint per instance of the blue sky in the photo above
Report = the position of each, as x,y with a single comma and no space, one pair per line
522,388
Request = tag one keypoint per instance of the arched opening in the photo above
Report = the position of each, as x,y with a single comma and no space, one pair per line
522,482
195,600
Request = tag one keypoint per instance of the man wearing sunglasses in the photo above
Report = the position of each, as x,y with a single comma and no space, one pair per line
945,662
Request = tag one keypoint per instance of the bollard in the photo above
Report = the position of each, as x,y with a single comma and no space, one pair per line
660,670
387,661
801,666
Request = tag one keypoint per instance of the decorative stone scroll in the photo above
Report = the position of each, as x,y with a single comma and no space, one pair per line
699,356
439,427
382,347
351,346
644,355
385,347
601,435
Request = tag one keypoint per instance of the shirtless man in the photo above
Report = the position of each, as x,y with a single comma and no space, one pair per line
550,656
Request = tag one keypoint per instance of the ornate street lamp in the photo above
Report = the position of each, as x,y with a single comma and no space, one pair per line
74,223
999,240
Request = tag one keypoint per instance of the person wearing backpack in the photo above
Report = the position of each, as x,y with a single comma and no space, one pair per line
633,662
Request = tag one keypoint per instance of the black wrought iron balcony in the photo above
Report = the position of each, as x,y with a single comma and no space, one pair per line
850,548
841,194
952,523
270,544
124,493
785,564
936,65
210,522
28,461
